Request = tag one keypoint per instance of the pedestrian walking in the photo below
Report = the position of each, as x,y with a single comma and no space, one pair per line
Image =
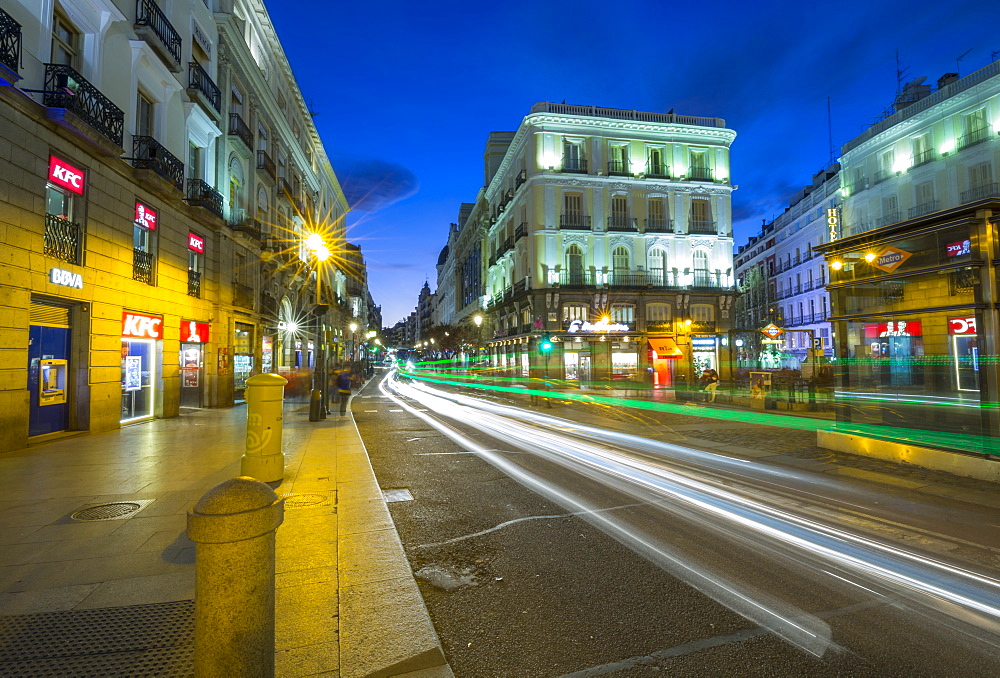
344,383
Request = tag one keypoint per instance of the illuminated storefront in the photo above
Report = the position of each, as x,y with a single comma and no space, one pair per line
243,343
194,336
141,337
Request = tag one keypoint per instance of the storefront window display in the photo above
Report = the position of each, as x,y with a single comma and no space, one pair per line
140,335
624,365
243,343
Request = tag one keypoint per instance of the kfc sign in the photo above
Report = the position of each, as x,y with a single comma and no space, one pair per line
61,173
962,325
142,326
957,249
196,243
900,328
194,331
145,217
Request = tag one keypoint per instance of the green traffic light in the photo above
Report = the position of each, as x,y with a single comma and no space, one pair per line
545,345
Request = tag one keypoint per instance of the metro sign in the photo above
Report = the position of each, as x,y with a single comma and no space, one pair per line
772,331
962,325
890,259
142,326
145,217
61,173
196,243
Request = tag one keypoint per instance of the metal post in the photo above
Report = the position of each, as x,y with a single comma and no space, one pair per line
233,527
263,459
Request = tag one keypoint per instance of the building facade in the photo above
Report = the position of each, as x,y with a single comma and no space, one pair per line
162,172
913,277
609,230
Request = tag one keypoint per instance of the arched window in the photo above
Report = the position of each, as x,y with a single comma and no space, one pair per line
619,261
237,201
657,313
658,266
701,274
574,264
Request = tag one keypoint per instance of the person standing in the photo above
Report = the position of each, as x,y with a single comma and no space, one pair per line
344,383
711,383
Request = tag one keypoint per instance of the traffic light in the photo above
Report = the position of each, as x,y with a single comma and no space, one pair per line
545,344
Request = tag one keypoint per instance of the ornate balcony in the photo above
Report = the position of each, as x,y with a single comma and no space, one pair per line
241,222
151,25
576,279
975,136
143,265
619,168
201,194
522,177
921,210
240,130
622,224
148,153
659,225
700,174
706,279
65,88
266,165
521,231
284,189
62,239
578,222
10,41
701,226
574,165
923,157
657,170
203,89
194,284
981,192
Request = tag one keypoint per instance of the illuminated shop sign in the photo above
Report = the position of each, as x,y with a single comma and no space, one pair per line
194,331
61,173
957,249
142,326
145,217
196,243
890,259
962,325
67,278
899,328
833,223
703,343
602,325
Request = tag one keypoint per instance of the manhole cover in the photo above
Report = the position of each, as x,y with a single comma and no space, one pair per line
107,511
304,500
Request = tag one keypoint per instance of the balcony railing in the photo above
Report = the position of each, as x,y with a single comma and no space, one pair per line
241,222
881,176
239,129
577,279
521,231
194,283
701,226
284,188
148,14
981,192
619,168
148,153
10,41
856,186
921,210
242,295
522,177
622,224
706,279
508,244
975,136
65,88
574,165
887,218
143,264
923,157
657,170
700,173
200,82
62,239
266,165
659,225
579,222
201,194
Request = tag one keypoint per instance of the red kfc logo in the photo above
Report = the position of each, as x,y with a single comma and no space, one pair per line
196,243
142,326
61,173
962,325
145,217
194,331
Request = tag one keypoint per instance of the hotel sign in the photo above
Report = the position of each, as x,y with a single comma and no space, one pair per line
833,222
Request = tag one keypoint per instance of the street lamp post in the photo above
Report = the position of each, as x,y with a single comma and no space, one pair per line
478,319
318,248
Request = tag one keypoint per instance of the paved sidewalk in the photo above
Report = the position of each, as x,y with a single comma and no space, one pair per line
102,597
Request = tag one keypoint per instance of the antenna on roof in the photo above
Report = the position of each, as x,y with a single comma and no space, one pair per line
901,73
993,55
309,107
958,61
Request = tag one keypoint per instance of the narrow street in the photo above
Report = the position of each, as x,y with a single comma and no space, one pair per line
549,542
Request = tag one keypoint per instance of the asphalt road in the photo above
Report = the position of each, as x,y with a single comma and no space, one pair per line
546,550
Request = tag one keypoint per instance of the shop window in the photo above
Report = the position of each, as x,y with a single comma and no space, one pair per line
243,343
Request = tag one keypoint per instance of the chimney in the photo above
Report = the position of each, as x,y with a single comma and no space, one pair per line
947,79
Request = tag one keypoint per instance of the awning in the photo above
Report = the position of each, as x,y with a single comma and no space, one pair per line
664,347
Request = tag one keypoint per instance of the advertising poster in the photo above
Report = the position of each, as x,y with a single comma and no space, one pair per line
133,373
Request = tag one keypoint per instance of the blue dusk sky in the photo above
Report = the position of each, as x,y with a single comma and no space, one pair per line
406,93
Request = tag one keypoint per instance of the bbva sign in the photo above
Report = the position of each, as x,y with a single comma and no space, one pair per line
60,277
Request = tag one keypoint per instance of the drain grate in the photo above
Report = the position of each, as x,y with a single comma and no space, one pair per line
113,511
307,500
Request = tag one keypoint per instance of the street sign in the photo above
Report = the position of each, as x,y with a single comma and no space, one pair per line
818,343
772,331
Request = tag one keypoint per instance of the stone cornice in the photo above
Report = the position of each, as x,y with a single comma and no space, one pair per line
674,132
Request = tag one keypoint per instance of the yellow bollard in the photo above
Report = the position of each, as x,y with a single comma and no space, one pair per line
263,459
233,527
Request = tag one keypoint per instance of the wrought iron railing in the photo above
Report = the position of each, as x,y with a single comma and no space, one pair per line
522,177
700,173
705,279
147,13
242,295
240,130
925,208
201,194
577,165
65,88
577,279
143,264
659,225
657,170
284,188
975,136
200,81
574,221
923,157
701,226
881,175
241,222
194,283
887,218
521,230
148,153
10,41
981,192
62,239
620,223
265,164
620,168
508,244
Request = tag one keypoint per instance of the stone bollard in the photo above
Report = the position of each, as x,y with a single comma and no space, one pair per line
233,527
263,459
315,401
